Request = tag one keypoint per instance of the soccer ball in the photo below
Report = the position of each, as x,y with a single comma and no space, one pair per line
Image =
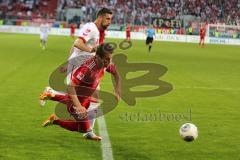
188,132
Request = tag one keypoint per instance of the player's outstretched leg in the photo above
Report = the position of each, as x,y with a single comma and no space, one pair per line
72,125
92,110
50,94
49,120
83,125
92,136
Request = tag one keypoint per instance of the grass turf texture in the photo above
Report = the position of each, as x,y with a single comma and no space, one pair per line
205,81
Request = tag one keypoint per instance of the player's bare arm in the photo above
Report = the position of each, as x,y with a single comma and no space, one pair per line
73,96
80,44
117,86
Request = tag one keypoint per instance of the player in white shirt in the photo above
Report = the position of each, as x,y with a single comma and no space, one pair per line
89,37
44,29
84,47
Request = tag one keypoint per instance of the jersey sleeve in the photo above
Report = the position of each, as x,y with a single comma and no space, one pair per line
111,69
86,33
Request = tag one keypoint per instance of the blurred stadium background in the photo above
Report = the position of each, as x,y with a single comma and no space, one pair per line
167,16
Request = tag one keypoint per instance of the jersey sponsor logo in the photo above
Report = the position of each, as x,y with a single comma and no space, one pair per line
91,65
80,76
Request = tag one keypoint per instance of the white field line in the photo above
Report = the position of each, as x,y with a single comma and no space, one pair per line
105,142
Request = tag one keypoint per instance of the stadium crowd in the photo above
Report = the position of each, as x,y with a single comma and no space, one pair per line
25,9
141,12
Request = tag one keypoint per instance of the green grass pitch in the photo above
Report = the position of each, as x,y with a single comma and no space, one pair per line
205,80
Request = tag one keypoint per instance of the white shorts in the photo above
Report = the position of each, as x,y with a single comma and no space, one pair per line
43,36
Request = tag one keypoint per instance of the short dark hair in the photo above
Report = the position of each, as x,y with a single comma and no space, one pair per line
104,49
104,11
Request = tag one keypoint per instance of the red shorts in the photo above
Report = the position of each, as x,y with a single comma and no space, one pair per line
128,35
83,123
202,37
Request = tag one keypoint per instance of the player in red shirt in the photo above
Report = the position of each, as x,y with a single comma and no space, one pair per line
202,34
128,32
84,82
72,30
90,35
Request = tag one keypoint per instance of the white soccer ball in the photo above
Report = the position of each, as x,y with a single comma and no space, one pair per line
188,132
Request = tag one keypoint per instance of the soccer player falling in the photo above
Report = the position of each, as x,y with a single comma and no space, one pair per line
79,98
202,34
89,37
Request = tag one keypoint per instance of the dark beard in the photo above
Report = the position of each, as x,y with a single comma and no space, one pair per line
104,27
